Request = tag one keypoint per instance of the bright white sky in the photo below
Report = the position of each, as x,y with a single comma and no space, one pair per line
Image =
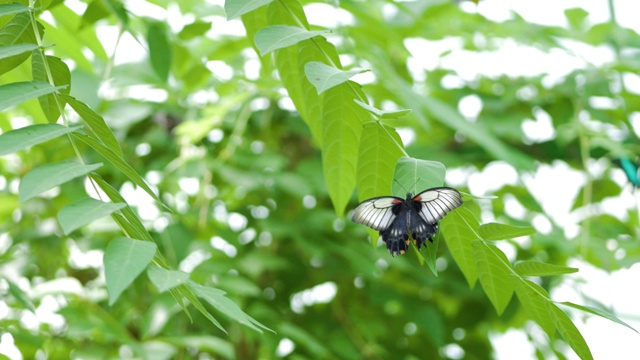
606,339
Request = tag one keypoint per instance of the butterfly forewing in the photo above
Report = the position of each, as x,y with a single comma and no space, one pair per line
437,202
376,213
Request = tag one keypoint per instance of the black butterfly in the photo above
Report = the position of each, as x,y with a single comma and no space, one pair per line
395,217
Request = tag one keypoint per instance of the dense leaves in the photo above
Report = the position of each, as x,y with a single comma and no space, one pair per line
228,165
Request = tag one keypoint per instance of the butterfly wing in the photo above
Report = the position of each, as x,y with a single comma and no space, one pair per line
433,204
377,213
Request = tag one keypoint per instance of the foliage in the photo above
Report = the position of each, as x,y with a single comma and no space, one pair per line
243,203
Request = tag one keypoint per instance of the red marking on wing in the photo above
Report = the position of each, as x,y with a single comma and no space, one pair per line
417,198
397,201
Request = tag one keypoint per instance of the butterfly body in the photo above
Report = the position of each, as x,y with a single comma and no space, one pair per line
415,217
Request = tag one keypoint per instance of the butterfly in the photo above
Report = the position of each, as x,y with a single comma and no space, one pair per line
398,218
631,170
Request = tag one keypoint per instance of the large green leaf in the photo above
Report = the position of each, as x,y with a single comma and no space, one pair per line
16,93
460,230
569,332
415,175
497,231
14,8
160,52
380,148
536,268
325,77
13,50
124,260
51,104
534,300
20,139
225,305
47,176
494,272
18,30
276,37
342,126
235,8
83,212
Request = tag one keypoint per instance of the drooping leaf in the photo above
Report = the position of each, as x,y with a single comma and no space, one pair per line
460,230
325,77
536,268
124,260
534,300
235,8
497,231
13,94
13,8
17,31
494,274
48,176
599,312
415,175
342,126
84,212
276,37
569,332
20,296
225,305
118,162
165,279
20,139
96,123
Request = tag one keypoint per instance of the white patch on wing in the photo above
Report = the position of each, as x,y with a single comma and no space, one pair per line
375,213
437,202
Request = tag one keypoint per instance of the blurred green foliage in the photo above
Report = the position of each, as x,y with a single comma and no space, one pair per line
248,209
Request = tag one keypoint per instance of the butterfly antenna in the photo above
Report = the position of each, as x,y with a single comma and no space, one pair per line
403,188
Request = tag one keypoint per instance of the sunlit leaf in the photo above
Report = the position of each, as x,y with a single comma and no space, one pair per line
569,332
84,212
536,268
235,8
325,77
13,50
165,279
534,299
16,93
599,312
276,37
494,273
415,175
20,139
160,52
50,175
124,260
460,230
497,231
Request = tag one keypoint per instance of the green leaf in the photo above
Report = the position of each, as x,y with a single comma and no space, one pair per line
235,8
130,217
20,296
48,176
383,114
18,30
13,50
16,93
14,8
415,175
599,312
494,271
225,305
342,126
306,340
536,268
569,332
325,77
534,300
276,37
124,260
459,230
497,231
118,162
96,10
165,279
160,52
600,190
194,30
96,124
19,139
51,104
83,212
